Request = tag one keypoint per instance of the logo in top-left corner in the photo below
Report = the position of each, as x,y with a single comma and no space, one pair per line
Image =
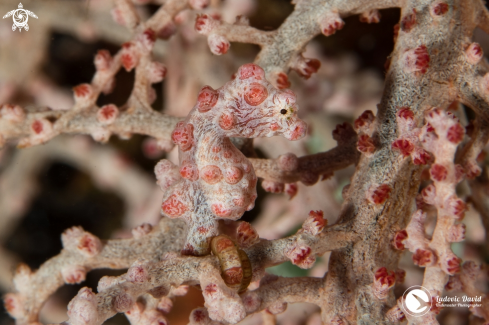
20,17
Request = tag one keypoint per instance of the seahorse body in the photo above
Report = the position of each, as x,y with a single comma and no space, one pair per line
214,179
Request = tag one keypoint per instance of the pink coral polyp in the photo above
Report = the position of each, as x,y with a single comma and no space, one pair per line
438,172
364,120
408,21
405,147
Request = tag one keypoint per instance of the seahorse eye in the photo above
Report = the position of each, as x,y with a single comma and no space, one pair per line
283,111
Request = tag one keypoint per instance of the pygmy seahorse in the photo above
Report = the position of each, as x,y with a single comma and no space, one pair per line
214,180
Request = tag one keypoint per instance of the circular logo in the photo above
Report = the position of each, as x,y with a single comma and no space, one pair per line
20,17
416,301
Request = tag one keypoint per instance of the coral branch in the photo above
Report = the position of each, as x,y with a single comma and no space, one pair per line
269,253
34,288
469,155
466,281
482,19
409,83
310,168
275,293
479,199
119,294
153,124
282,48
84,252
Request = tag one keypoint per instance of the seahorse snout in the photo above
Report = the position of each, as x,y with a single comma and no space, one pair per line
296,130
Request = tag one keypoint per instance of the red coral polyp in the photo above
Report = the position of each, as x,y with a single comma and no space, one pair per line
398,240
107,114
199,316
379,194
282,81
149,38
455,133
438,172
417,60
301,256
82,91
421,157
384,277
288,162
366,144
456,207
89,245
307,67
452,265
406,147
103,60
408,21
422,58
423,257
273,187
330,22
364,120
315,223
129,57
218,44
405,113
474,53
156,72
137,274
291,190
13,305
37,127
440,8
246,235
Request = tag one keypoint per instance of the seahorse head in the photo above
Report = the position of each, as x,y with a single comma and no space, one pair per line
249,106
